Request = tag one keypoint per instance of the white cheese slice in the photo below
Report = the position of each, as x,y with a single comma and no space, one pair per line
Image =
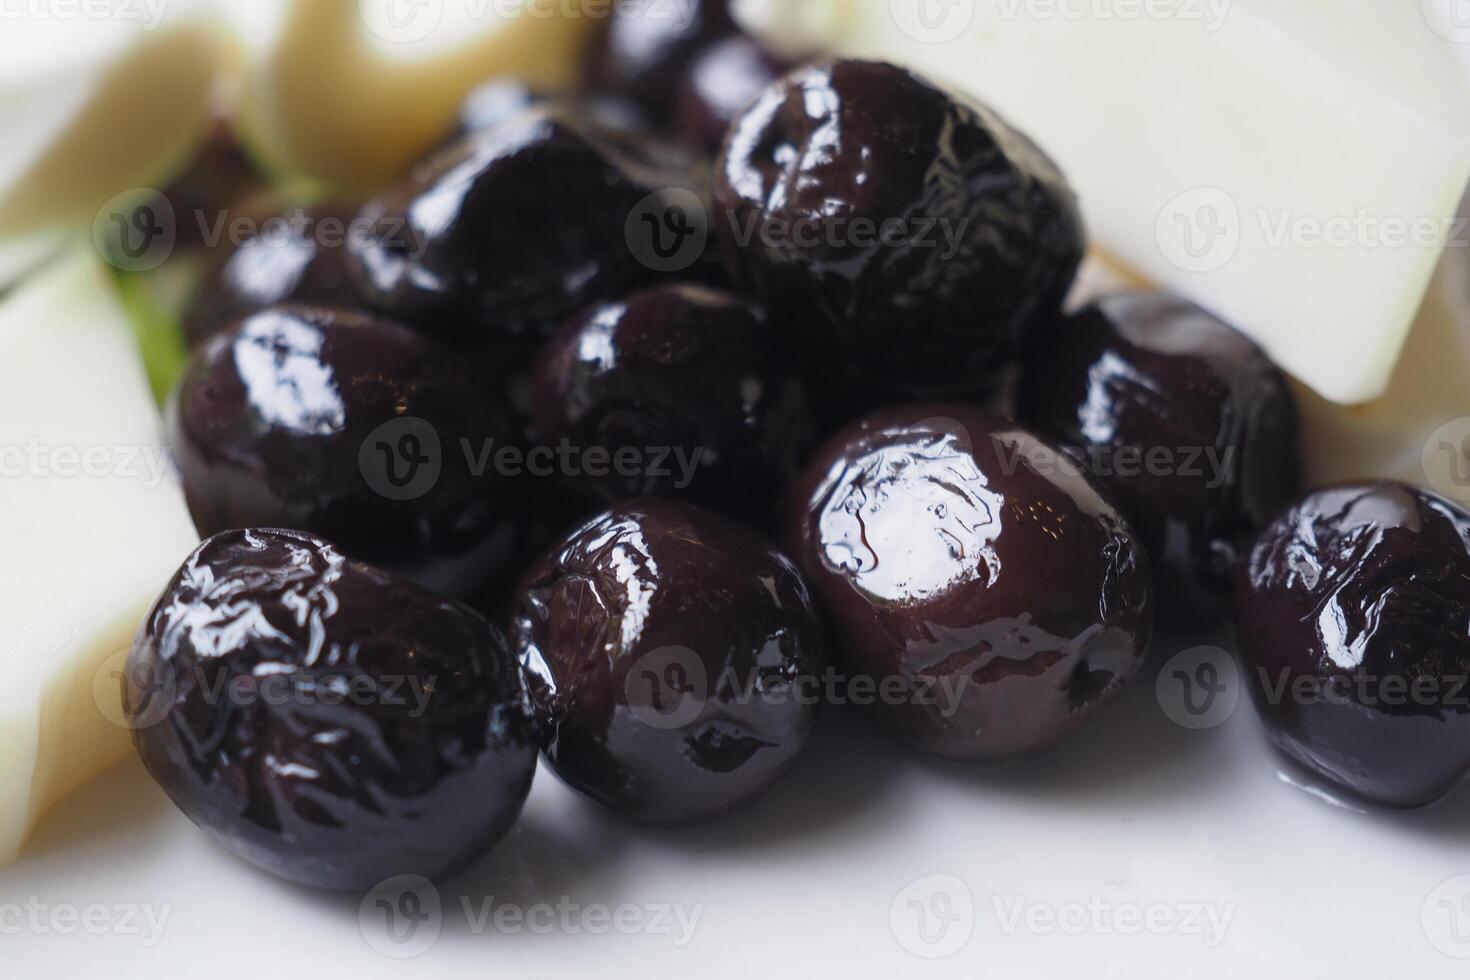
93,106
1419,430
349,93
1293,165
93,525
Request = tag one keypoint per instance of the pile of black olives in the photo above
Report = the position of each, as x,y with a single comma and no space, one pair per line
493,402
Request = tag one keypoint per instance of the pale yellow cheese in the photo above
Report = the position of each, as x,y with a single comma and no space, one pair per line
347,94
93,525
91,108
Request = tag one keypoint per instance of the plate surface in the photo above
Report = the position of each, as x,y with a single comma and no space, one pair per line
1146,847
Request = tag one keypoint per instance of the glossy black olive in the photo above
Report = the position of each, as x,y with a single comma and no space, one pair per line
1353,613
894,225
721,83
669,653
357,429
327,721
516,228
1186,420
641,51
681,387
976,574
297,255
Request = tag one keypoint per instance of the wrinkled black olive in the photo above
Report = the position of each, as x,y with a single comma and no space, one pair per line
516,228
1187,421
669,653
298,255
681,387
356,429
721,83
327,721
640,52
1353,612
894,225
977,573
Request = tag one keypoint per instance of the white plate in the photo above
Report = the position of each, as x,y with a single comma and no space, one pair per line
1105,858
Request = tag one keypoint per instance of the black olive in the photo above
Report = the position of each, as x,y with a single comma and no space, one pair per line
516,228
975,573
894,225
685,382
1353,613
327,721
298,255
641,51
1185,420
671,656
353,428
